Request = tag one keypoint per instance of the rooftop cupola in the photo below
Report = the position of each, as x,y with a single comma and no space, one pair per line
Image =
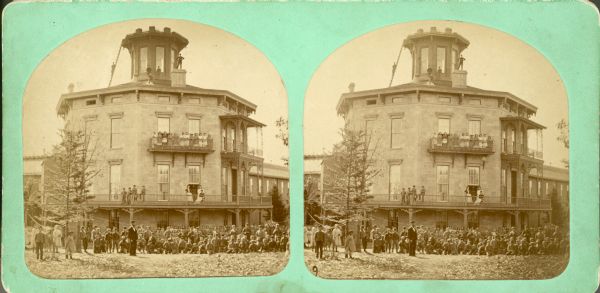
436,57
155,55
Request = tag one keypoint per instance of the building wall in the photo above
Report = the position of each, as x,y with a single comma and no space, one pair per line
419,122
139,123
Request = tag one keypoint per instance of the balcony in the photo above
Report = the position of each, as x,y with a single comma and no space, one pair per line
179,201
232,149
461,144
514,152
173,143
461,202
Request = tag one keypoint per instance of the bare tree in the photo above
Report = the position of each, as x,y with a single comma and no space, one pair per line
283,134
563,137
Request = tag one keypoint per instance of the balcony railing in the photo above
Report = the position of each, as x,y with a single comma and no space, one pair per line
202,143
461,201
512,149
160,200
456,143
232,145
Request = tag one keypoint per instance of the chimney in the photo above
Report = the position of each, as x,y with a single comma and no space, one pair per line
351,87
459,78
178,77
71,87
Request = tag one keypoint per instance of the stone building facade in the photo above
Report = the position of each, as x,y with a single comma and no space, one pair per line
171,139
439,134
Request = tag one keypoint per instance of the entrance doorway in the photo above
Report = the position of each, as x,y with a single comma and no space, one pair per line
234,185
113,219
513,187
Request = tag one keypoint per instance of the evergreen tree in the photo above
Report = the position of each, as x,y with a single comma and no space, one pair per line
348,175
68,177
280,210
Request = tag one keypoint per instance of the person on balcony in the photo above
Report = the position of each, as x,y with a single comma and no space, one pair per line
484,141
200,197
124,196
464,140
134,193
422,193
479,197
444,139
413,193
184,139
142,193
155,139
129,195
403,196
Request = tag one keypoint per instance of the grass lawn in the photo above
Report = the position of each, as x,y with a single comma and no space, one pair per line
85,266
449,267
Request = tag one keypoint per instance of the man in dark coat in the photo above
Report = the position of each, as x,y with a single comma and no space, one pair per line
319,241
412,239
39,243
132,234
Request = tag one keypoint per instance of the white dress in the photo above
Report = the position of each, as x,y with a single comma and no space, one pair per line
337,236
56,237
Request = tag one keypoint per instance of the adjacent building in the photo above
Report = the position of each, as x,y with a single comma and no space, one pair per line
451,139
172,139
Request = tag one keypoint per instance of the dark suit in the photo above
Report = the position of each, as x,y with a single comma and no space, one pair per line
319,240
132,234
412,241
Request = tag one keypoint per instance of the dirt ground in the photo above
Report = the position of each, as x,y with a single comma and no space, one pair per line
85,266
447,267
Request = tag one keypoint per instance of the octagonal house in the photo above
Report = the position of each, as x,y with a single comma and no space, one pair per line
194,155
439,134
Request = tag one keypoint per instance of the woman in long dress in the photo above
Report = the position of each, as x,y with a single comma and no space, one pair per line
337,237
56,239
350,245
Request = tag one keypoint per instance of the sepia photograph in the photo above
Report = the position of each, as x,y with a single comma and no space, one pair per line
155,148
436,150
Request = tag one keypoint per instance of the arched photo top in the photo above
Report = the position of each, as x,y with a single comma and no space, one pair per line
160,138
444,127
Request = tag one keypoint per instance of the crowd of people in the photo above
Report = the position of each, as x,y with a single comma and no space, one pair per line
463,140
185,139
269,237
544,240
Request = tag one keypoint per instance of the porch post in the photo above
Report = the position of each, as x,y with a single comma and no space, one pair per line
517,221
465,218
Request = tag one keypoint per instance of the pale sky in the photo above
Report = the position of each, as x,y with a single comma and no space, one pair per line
494,61
214,59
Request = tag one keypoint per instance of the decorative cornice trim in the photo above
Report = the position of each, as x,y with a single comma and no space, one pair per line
474,117
444,114
116,114
163,114
396,115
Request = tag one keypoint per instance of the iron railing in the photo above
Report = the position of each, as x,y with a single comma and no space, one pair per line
462,201
177,199
177,143
461,144
232,145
